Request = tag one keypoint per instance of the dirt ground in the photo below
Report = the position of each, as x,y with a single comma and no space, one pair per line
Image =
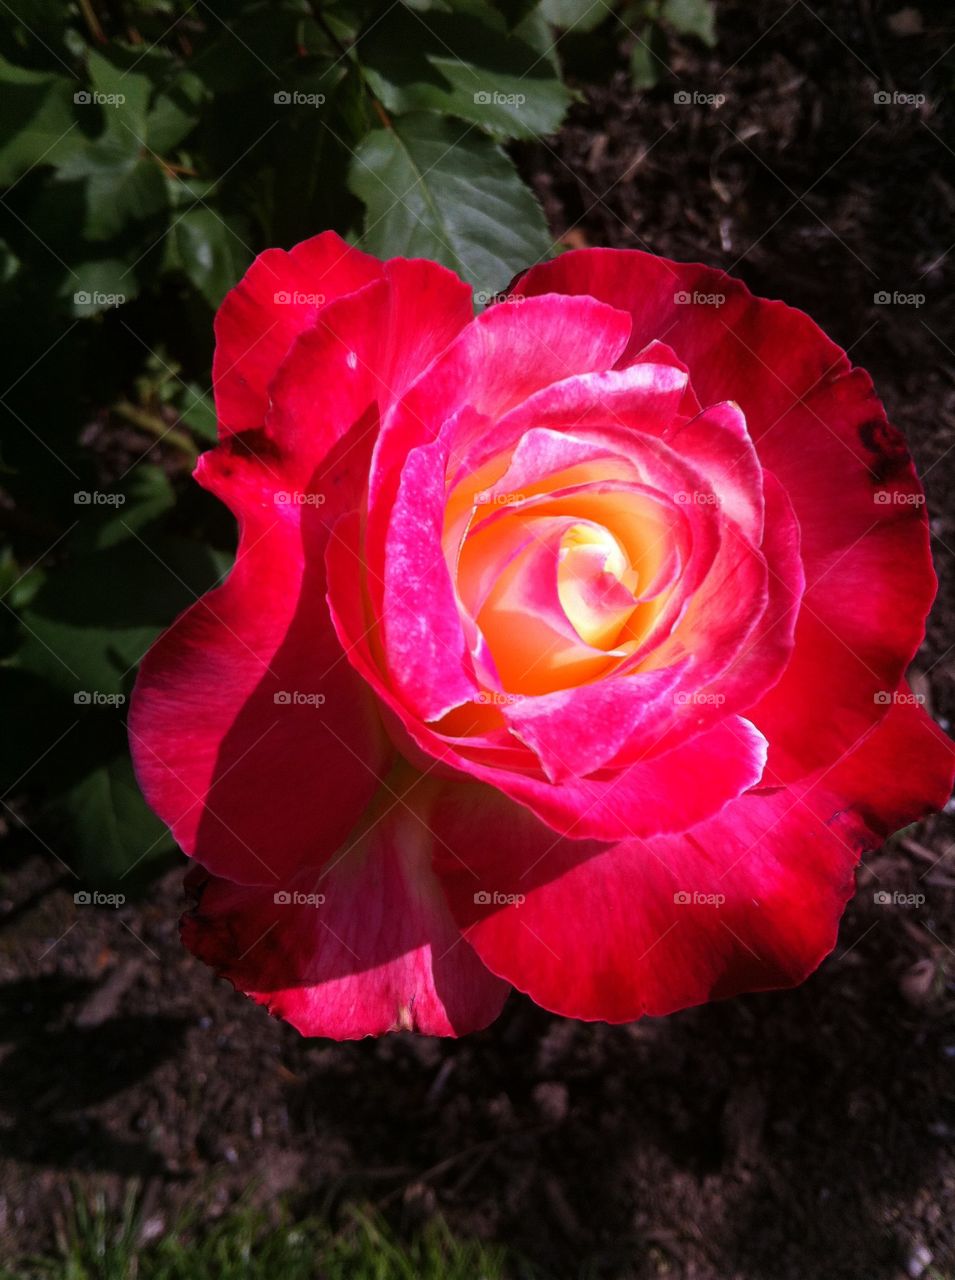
805,1135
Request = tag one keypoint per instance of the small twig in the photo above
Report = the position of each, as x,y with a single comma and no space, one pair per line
92,21
155,426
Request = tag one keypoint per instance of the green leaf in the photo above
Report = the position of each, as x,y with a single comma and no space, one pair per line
129,193
99,286
432,193
468,65
691,18
115,833
648,57
148,495
575,15
37,120
175,112
199,414
212,251
91,622
124,99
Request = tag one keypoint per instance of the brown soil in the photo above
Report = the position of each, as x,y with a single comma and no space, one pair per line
805,1135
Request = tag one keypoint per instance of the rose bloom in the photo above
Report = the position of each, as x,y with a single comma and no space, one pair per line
564,647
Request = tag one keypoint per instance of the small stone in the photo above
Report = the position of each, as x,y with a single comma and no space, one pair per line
920,1259
551,1100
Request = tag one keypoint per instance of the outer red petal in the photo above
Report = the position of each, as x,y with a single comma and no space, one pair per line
253,782
818,426
278,298
361,354
375,949
616,932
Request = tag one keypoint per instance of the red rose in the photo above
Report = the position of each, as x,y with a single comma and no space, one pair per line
564,646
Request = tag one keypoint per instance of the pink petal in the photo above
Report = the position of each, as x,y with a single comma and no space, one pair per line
647,397
692,780
426,650
575,732
818,426
501,358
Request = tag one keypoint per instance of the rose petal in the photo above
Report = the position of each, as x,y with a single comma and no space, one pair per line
360,354
818,426
232,748
615,933
279,297
367,946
